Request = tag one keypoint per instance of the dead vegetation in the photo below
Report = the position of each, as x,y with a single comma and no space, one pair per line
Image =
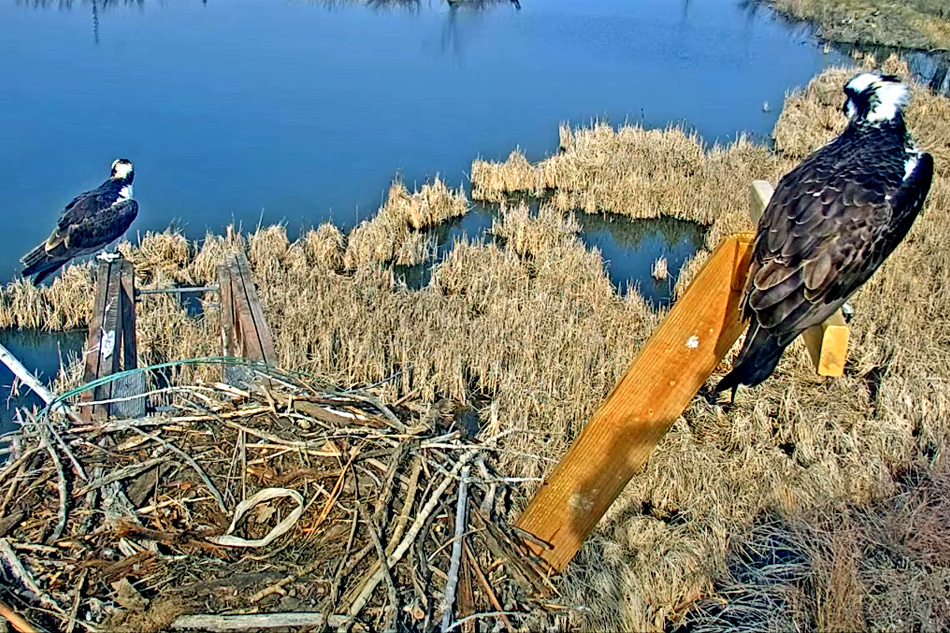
529,331
386,516
921,24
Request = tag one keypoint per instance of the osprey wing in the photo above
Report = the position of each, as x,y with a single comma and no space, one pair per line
822,236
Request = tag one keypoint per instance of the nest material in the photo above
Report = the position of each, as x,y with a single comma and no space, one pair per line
139,524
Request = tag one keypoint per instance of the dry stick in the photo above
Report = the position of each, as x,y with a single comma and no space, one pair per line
373,581
488,503
476,616
380,515
338,579
30,381
76,601
460,513
395,422
228,623
410,497
486,586
123,473
18,572
15,620
61,487
392,609
19,462
15,484
191,462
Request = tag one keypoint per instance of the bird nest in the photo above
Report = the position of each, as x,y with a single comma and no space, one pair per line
279,505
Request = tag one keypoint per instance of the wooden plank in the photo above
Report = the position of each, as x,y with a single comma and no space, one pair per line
673,364
827,343
228,342
244,330
92,358
265,343
133,384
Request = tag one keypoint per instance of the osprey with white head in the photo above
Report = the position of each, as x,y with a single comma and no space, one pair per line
90,223
831,223
875,98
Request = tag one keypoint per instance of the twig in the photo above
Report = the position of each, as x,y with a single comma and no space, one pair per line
191,462
227,623
403,520
488,503
61,487
373,581
30,381
338,578
391,610
18,572
395,422
123,473
486,586
19,462
476,616
76,600
448,600
15,620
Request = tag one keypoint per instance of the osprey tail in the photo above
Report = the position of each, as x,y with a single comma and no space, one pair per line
40,263
756,362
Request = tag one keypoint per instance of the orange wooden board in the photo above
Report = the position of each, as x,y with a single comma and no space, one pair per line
673,364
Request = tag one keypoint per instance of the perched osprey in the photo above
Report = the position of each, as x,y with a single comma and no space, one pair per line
830,224
89,223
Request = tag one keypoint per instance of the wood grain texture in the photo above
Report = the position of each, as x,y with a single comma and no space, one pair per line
827,343
673,364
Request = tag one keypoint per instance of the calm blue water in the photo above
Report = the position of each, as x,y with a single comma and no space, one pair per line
251,110
41,353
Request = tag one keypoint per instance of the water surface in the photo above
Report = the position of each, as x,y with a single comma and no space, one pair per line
41,353
262,110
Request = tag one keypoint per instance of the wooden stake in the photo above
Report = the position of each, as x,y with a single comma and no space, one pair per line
111,346
699,330
827,343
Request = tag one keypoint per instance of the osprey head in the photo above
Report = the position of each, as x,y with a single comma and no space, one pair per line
122,170
874,97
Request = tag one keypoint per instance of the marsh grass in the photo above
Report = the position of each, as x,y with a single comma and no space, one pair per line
529,324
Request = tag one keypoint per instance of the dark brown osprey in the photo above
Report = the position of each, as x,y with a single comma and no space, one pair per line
89,223
830,224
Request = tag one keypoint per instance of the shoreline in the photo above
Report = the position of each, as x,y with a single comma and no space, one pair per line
923,27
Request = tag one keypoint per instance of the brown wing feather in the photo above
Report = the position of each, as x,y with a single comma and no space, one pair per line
812,237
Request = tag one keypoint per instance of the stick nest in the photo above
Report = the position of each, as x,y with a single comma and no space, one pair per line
118,525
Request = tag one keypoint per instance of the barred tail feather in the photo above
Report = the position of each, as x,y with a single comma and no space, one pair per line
40,264
756,362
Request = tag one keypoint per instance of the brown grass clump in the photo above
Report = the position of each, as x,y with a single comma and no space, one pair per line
393,234
635,172
65,304
325,247
167,253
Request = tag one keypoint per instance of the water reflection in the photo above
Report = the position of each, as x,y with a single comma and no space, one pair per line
629,248
40,352
931,68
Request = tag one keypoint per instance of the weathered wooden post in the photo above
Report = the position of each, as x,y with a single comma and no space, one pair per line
111,345
244,330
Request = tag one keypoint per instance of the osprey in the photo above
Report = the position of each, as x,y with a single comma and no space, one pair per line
91,222
830,224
